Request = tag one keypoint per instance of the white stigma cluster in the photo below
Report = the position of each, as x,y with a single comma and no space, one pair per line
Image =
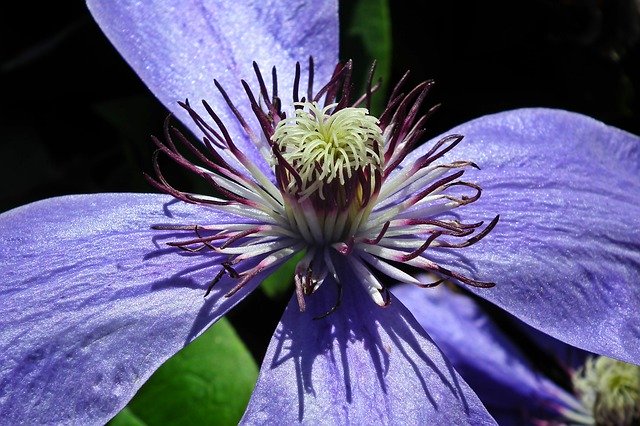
610,389
323,146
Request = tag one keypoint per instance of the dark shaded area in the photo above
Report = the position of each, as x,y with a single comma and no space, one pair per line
74,118
72,114
579,55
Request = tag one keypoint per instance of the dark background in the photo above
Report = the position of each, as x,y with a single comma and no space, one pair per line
579,55
74,118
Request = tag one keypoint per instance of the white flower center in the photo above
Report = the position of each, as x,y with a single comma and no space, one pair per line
610,389
323,146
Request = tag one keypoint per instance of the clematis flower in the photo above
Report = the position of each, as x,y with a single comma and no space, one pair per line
100,289
585,389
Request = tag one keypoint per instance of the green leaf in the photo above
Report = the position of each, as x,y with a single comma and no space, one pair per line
278,284
208,382
126,418
367,37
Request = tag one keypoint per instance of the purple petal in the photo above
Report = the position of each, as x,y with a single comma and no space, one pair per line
488,360
566,252
566,356
93,302
179,47
361,364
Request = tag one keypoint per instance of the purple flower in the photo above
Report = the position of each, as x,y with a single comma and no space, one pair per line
94,300
506,366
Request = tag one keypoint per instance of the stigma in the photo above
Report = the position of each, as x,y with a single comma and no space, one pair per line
325,147
330,167
340,190
610,391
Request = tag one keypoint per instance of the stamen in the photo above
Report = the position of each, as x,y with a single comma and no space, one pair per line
610,391
226,268
334,307
333,193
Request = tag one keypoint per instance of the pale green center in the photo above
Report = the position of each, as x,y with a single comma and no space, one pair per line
323,146
611,390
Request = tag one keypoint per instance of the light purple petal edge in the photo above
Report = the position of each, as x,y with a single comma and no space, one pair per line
566,253
178,48
93,301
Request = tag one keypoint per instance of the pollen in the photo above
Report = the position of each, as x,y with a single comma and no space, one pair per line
610,389
324,145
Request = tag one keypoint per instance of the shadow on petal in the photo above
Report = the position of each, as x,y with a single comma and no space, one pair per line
362,364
